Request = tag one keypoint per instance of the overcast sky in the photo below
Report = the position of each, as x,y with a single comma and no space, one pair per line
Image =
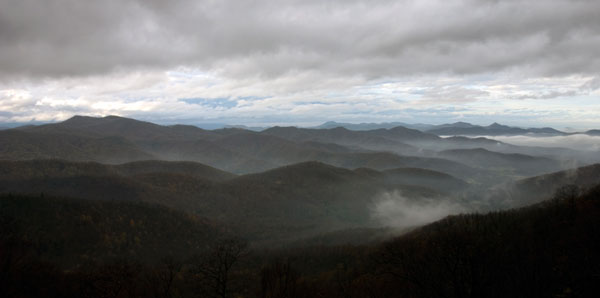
527,63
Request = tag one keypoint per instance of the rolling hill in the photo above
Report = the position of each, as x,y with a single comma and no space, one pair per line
514,164
117,140
306,198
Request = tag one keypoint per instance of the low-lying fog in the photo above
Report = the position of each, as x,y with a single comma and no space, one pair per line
395,209
392,209
581,142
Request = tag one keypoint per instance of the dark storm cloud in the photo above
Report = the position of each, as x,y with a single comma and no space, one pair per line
271,38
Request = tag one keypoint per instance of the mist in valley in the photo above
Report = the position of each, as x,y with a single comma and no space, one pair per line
392,209
579,141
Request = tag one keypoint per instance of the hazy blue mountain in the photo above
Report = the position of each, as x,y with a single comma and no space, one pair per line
117,140
372,126
393,140
495,129
593,132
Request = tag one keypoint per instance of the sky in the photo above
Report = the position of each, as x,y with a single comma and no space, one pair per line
292,62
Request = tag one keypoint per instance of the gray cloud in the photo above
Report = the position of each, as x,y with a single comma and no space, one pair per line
584,89
370,39
452,95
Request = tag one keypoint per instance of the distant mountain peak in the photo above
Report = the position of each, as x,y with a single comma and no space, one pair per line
112,117
497,125
78,118
339,128
86,119
461,123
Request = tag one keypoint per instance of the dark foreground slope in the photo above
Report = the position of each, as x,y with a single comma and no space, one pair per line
71,232
545,250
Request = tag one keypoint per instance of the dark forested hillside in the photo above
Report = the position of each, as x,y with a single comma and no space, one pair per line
305,198
545,250
23,145
71,232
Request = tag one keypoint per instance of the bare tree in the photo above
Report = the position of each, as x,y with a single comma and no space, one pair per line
161,278
214,269
279,280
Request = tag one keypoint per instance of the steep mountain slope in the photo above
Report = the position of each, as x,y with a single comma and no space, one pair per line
545,250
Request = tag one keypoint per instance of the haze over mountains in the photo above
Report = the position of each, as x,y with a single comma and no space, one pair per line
458,128
114,140
103,189
193,169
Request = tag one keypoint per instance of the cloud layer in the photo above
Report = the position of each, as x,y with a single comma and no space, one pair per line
271,38
296,58
580,142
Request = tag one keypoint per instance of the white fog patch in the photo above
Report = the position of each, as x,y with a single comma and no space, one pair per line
577,141
396,210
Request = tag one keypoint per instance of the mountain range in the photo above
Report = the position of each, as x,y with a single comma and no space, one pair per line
116,207
265,184
457,129
116,140
308,198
